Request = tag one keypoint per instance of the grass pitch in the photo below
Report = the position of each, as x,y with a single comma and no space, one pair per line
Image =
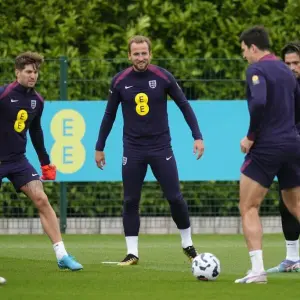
28,264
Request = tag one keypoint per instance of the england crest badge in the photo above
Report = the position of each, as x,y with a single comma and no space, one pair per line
33,104
152,84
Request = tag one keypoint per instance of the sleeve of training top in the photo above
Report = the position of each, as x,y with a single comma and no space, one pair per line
178,96
37,138
257,99
109,117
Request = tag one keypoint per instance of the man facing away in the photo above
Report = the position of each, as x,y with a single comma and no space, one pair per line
142,90
21,110
272,144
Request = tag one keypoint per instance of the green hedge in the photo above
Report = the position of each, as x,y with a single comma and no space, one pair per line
181,29
186,30
105,199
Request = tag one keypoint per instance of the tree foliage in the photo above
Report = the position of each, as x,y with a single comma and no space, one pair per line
187,31
196,40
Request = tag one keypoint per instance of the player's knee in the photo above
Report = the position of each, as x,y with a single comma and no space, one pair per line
245,207
291,199
131,204
175,198
295,210
41,201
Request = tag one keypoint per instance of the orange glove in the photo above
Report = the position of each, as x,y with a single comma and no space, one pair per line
48,172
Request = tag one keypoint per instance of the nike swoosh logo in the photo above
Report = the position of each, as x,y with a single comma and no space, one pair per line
13,100
168,158
34,174
128,87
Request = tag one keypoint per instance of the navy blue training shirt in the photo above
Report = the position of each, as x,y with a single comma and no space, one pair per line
143,96
20,110
273,96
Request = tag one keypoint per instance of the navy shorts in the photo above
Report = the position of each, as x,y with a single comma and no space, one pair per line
263,163
18,172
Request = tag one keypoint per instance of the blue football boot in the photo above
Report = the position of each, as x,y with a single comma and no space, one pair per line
69,262
286,266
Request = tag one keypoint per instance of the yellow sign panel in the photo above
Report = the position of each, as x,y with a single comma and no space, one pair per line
68,128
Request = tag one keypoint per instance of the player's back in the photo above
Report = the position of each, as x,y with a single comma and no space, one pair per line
278,121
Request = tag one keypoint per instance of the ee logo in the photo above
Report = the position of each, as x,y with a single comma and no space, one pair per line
68,128
142,107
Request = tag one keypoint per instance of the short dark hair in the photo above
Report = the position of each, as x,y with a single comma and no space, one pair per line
28,58
257,36
139,39
291,47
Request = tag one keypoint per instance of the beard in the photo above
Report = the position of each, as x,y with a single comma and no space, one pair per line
141,66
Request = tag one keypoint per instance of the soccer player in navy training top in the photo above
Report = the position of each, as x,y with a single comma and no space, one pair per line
272,144
291,228
142,90
21,109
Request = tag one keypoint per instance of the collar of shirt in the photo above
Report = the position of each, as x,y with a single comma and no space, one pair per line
140,74
22,89
269,56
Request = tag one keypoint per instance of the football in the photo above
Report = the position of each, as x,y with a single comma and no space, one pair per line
206,267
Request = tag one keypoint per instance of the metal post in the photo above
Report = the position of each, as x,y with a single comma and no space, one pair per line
63,87
63,78
63,207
